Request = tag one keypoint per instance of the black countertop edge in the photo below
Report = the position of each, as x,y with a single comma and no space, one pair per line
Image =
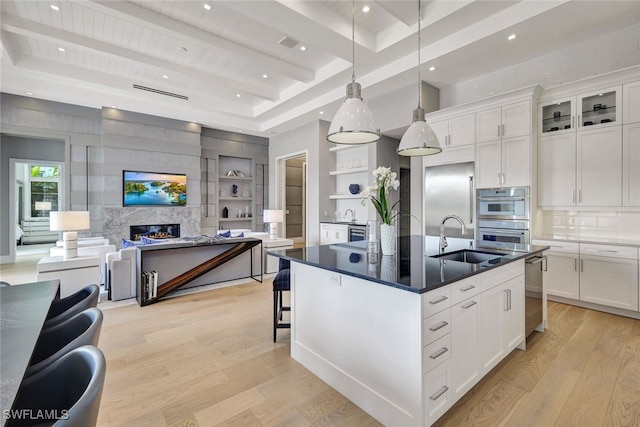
507,258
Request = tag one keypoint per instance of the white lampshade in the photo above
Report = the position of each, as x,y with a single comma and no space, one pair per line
273,215
43,206
353,122
69,220
419,139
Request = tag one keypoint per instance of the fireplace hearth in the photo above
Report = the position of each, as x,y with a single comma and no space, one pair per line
154,231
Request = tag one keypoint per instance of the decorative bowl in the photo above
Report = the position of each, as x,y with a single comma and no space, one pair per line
354,188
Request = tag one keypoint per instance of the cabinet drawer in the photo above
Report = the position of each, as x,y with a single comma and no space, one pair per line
435,301
464,289
556,246
436,352
611,251
436,326
500,275
437,393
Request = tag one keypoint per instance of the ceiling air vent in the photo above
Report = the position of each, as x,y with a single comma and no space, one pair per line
288,42
161,92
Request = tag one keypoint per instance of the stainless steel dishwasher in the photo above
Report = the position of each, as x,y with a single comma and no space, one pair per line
533,291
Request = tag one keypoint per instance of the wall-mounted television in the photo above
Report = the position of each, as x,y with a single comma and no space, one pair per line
153,189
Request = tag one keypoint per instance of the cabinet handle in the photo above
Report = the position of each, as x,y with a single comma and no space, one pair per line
438,300
579,120
506,296
469,304
498,178
572,122
503,178
439,393
470,199
467,288
580,196
573,196
509,293
575,264
582,266
438,353
438,326
503,130
498,130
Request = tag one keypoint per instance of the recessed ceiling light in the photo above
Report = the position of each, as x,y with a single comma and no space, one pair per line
321,112
61,49
432,68
114,106
366,9
238,95
54,7
265,76
29,93
511,37
207,6
303,48
164,76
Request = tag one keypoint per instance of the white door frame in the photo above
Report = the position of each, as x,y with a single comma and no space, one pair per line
281,189
12,195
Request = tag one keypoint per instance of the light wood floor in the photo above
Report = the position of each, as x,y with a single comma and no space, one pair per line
208,359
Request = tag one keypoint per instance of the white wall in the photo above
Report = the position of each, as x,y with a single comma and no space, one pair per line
309,138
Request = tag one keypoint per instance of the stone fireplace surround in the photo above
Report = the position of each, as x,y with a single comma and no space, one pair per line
117,220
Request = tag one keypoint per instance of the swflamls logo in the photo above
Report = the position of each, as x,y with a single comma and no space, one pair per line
35,414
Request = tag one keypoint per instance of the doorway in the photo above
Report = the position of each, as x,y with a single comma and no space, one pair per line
293,196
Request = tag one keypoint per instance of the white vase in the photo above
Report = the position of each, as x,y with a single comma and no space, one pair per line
387,239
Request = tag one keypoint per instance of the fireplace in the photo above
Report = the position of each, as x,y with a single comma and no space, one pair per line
154,231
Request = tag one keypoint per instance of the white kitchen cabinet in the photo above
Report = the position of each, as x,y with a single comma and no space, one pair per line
501,321
465,339
599,108
562,277
557,116
456,131
631,103
609,275
581,169
333,233
631,164
504,162
557,169
438,396
599,167
507,121
464,154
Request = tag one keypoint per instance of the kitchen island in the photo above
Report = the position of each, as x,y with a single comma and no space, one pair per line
404,336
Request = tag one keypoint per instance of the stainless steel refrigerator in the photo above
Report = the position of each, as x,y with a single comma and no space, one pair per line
450,190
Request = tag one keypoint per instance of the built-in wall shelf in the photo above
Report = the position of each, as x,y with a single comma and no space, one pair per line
344,196
236,198
348,171
236,219
236,178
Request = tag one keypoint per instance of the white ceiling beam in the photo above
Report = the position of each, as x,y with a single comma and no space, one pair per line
157,22
8,47
26,28
404,14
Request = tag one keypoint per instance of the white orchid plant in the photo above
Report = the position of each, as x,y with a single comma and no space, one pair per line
384,181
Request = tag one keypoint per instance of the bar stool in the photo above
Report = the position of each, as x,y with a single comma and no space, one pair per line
281,283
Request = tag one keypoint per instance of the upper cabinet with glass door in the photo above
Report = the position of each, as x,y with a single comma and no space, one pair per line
582,112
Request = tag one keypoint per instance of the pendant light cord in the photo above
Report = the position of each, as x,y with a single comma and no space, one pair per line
419,19
353,40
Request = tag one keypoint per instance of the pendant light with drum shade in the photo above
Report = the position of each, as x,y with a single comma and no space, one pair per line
419,139
353,123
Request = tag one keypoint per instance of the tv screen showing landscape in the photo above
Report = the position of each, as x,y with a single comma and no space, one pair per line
154,189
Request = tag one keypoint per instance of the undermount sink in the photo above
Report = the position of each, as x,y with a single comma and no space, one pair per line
469,256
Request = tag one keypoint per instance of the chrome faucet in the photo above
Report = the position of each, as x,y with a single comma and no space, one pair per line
353,214
443,239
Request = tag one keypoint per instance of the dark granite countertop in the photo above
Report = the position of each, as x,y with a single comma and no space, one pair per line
411,269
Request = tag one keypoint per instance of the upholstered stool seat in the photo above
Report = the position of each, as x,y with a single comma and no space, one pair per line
281,283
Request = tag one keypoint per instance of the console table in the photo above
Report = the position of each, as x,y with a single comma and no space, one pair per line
23,310
74,273
183,265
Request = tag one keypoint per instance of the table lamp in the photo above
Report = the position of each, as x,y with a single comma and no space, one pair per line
273,217
69,222
42,206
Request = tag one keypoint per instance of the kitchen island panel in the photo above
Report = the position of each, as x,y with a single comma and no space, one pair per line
362,339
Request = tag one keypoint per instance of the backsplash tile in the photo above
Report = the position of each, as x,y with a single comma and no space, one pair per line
614,225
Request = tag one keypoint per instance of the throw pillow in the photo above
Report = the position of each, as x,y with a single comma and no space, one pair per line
225,233
126,243
149,241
